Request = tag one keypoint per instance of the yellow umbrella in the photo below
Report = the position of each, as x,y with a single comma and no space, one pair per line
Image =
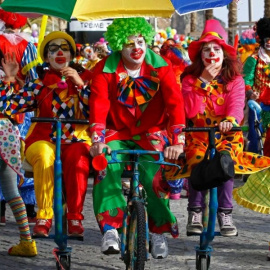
86,10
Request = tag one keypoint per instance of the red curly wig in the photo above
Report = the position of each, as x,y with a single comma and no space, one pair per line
12,20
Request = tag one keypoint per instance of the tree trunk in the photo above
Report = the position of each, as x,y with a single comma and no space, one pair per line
267,8
232,21
193,21
209,14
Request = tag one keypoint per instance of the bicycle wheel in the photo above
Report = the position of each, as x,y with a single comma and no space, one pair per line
136,246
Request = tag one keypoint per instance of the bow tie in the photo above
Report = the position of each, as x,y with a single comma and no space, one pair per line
132,91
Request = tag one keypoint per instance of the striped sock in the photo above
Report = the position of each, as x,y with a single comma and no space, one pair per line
18,208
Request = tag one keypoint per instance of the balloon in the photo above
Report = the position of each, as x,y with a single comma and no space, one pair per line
168,29
35,33
182,37
163,34
157,37
176,37
162,40
173,32
34,27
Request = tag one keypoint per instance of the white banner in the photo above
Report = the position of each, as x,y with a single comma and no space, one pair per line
89,26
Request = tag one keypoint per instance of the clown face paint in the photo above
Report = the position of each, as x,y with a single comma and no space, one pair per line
212,53
134,51
59,54
267,44
89,53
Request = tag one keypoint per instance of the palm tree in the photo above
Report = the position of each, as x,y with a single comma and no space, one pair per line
232,20
193,21
267,8
209,14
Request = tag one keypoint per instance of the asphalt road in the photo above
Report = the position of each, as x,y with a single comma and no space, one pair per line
246,251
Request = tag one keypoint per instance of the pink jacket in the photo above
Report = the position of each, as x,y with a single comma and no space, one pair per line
234,99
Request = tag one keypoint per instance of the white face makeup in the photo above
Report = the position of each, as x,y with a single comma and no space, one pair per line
267,44
59,54
135,49
89,53
212,53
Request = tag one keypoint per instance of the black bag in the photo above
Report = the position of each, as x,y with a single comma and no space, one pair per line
212,173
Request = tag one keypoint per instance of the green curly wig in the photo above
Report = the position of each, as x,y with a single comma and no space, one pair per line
118,32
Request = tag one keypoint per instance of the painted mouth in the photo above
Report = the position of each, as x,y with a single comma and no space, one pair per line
212,60
60,60
136,55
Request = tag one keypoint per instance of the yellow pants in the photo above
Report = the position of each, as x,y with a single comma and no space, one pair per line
41,156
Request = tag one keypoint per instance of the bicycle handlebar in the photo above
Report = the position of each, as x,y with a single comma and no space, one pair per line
160,161
208,129
62,120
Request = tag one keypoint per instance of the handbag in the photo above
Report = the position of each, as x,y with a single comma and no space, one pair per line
211,173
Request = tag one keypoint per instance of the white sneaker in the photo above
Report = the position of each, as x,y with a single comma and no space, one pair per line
159,246
227,228
194,225
110,242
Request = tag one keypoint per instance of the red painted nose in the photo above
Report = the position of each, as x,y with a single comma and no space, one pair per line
211,54
60,53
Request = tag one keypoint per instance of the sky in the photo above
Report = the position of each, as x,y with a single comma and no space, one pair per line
257,8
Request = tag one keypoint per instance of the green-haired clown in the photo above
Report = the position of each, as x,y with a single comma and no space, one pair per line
120,30
135,103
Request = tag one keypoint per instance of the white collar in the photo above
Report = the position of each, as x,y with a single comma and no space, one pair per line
263,55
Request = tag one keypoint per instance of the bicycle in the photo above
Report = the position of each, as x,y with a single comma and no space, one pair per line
135,233
204,250
62,252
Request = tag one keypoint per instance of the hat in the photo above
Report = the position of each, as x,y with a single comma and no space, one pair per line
55,35
12,20
213,31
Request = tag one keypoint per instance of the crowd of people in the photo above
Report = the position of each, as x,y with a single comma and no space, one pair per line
135,96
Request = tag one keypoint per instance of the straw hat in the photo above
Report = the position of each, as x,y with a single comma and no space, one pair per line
213,31
55,35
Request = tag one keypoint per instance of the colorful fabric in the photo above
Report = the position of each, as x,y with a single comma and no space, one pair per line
255,193
137,91
18,208
134,123
10,145
38,96
197,142
64,108
110,211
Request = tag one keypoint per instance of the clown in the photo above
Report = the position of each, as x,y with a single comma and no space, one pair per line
134,94
254,194
257,76
214,94
58,92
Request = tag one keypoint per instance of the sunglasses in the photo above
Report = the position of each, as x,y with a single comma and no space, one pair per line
55,47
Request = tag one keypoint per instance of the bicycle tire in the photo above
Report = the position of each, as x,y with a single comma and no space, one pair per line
136,246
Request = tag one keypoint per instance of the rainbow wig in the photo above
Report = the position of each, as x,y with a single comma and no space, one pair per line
118,32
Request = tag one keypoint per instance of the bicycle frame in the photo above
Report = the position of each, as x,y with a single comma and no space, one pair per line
135,193
60,237
211,200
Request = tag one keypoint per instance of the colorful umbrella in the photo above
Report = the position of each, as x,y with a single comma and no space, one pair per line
86,10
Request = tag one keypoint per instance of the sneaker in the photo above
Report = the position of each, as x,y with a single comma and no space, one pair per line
3,221
226,224
194,225
42,227
159,246
24,249
110,242
32,220
75,228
